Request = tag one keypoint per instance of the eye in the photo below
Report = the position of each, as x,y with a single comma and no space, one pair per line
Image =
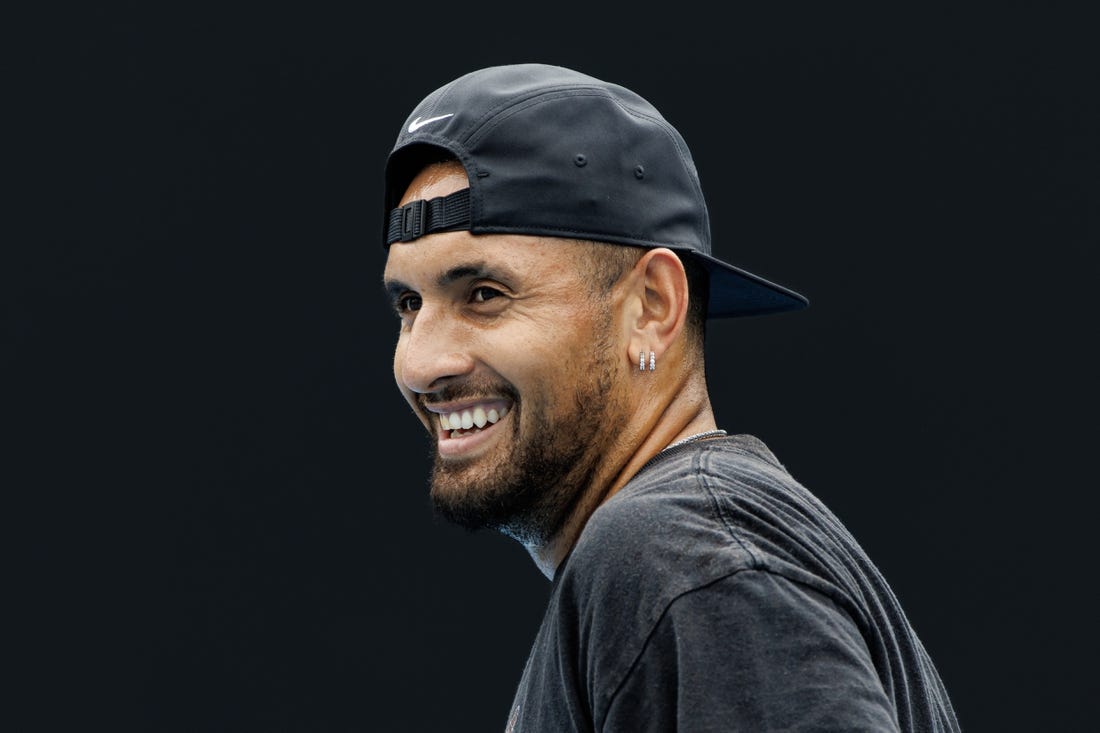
483,293
407,304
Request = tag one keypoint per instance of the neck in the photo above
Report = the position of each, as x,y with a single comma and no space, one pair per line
685,416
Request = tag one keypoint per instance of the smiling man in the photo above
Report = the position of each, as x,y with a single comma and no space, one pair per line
549,260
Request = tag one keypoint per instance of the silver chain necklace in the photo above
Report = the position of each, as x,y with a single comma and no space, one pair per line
693,438
678,443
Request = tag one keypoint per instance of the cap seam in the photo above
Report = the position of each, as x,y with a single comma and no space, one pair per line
522,102
505,111
517,104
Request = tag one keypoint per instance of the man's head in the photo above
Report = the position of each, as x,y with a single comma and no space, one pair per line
513,352
545,230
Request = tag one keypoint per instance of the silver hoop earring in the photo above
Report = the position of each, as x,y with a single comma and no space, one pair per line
641,361
652,362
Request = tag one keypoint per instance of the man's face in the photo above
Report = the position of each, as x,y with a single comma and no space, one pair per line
509,358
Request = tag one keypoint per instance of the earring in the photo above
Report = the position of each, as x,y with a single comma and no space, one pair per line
652,361
641,361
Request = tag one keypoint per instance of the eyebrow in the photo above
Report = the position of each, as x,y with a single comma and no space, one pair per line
454,274
459,272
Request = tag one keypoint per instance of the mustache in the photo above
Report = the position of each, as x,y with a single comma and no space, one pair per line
470,390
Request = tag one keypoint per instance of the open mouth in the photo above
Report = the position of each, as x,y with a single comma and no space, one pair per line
471,420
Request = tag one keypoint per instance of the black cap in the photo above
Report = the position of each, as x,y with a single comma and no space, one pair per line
550,151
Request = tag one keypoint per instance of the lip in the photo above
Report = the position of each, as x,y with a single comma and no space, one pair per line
464,445
446,408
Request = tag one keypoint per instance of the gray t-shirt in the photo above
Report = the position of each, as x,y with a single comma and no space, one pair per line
715,593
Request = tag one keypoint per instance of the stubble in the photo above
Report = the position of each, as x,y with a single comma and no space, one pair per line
529,485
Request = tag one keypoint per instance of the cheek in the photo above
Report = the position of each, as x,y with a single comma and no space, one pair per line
530,361
552,368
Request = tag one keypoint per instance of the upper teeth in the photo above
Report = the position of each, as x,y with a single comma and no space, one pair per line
469,418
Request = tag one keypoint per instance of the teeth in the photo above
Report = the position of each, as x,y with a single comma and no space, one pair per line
469,419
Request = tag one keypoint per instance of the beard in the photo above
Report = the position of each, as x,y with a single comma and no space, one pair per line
528,486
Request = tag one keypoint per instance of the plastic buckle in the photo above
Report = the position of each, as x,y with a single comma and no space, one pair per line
413,220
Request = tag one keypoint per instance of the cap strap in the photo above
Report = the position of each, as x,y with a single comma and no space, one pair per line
420,217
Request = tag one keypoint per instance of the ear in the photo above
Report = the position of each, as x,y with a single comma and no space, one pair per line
659,295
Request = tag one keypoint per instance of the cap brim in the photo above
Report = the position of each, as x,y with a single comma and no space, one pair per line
735,292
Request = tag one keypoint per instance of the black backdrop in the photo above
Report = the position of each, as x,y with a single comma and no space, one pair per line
217,497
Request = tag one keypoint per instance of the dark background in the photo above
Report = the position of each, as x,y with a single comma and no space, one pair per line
217,499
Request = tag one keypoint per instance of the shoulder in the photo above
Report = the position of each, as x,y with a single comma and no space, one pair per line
673,522
679,504
699,514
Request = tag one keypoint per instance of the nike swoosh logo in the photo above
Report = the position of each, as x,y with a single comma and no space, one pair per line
418,123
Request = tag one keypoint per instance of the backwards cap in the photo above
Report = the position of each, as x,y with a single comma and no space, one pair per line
552,152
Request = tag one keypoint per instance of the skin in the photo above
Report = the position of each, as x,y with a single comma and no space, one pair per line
509,322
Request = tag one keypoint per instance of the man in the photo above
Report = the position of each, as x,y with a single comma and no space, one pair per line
549,259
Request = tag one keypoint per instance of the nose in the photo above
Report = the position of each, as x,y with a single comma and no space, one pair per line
432,350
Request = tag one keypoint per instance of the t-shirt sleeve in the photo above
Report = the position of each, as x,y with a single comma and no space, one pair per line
752,652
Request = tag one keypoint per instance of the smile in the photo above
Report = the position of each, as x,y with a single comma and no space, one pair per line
461,425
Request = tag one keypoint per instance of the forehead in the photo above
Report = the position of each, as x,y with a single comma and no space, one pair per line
437,179
519,258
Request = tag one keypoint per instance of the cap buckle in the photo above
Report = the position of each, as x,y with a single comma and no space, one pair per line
413,220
